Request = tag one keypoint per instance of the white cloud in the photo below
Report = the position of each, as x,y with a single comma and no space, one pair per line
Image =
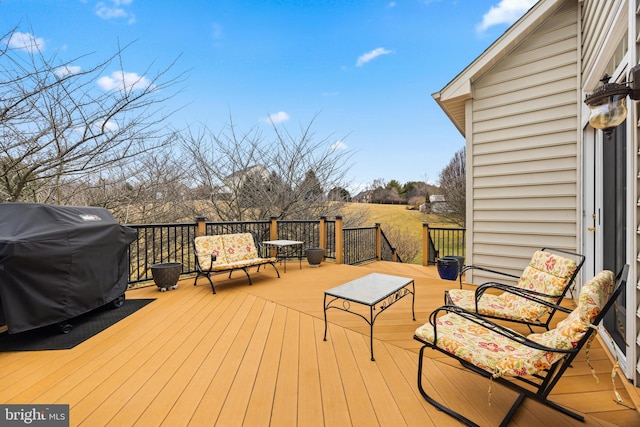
124,81
26,41
108,126
338,145
66,70
115,9
278,117
506,12
363,59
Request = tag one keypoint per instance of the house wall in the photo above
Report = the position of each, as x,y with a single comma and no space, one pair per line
523,168
605,24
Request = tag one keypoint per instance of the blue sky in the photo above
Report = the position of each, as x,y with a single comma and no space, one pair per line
364,69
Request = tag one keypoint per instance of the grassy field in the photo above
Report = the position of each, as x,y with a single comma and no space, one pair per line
390,217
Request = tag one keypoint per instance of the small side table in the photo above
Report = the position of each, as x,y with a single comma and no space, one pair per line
279,244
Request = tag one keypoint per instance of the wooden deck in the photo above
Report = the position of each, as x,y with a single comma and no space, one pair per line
254,356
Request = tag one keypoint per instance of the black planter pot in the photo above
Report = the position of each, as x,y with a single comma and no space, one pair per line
315,256
460,261
166,275
448,268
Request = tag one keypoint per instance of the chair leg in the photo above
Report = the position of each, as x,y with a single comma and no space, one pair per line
539,398
246,271
273,264
435,403
208,276
211,282
512,410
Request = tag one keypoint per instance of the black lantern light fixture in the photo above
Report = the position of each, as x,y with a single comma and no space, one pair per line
607,105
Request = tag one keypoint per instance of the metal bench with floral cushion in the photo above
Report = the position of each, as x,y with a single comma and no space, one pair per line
228,252
531,365
536,296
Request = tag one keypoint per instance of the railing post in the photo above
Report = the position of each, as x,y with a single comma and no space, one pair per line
425,244
201,226
394,255
273,235
378,242
323,233
339,241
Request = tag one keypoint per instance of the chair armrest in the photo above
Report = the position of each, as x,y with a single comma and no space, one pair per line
490,326
262,249
474,267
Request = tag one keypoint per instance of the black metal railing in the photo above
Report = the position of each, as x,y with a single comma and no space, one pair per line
387,250
160,243
305,231
359,245
260,229
448,241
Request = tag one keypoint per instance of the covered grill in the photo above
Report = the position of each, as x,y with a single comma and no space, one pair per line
59,262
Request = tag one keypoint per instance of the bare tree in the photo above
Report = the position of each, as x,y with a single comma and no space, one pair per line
148,190
250,177
59,128
453,186
407,244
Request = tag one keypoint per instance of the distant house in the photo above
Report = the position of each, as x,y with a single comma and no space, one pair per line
238,177
363,197
235,180
538,173
437,204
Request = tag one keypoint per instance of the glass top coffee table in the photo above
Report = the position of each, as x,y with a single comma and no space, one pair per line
377,291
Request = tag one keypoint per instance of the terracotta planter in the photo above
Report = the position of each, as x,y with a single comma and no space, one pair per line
315,256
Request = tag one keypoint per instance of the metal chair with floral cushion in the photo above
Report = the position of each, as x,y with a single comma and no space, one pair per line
536,296
228,252
531,365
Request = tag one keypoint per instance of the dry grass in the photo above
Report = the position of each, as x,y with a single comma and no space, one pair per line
398,217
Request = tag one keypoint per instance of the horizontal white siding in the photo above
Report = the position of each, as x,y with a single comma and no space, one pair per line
600,34
524,162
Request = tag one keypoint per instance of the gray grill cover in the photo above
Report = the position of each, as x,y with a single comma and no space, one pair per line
58,262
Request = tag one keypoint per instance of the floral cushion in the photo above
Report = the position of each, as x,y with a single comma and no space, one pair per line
504,357
241,264
593,296
547,273
232,251
205,246
516,308
240,247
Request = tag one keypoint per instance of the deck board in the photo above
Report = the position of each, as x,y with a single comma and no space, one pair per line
263,393
254,355
285,404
